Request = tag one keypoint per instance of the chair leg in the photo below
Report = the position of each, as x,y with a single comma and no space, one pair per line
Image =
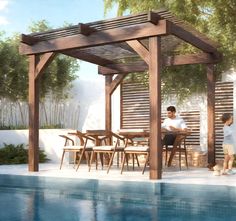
91,160
136,156
101,155
180,158
186,158
172,154
123,163
118,159
166,156
87,157
133,159
147,158
75,157
127,160
62,158
80,158
110,161
96,159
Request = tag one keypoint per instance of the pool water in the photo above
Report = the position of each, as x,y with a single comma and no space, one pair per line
26,198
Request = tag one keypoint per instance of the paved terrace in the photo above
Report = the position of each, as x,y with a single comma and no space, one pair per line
170,175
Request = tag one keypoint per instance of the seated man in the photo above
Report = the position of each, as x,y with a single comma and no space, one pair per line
172,123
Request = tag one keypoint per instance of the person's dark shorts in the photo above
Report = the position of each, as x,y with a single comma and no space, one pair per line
169,139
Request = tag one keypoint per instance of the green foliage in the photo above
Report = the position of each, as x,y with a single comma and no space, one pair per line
214,18
11,154
56,80
56,126
22,127
13,70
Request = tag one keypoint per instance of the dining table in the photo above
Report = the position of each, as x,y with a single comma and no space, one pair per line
97,135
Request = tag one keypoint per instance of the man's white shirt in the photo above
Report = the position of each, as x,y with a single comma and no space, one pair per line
177,122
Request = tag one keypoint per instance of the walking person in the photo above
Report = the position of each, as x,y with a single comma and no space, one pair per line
228,144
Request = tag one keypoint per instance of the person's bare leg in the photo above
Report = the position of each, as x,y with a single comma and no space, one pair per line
230,163
225,165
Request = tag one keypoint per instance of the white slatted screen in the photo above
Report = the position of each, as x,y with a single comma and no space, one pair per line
135,111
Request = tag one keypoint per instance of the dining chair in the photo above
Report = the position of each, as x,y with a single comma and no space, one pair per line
179,146
135,151
77,150
110,150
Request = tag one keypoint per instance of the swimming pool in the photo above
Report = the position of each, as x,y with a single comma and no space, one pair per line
32,198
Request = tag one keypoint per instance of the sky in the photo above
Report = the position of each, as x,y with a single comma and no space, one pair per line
17,15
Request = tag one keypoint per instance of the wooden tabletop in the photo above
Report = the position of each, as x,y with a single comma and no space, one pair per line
145,133
96,132
133,134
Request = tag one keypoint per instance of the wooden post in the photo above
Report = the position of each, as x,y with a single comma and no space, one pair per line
211,113
108,123
33,116
36,67
155,108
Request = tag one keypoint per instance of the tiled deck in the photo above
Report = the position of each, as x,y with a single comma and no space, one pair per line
170,175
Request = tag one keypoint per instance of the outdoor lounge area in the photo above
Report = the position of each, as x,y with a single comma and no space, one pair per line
135,43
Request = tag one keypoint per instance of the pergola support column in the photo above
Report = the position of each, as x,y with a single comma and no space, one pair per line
33,115
108,123
211,113
36,67
155,108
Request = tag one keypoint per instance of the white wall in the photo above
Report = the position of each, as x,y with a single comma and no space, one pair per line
49,141
89,92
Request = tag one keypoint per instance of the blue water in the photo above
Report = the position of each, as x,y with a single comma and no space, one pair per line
24,198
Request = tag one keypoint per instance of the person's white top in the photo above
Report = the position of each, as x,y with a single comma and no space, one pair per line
228,135
177,122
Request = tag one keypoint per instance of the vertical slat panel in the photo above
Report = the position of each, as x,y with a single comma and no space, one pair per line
135,111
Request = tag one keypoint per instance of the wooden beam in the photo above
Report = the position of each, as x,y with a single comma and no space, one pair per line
155,108
97,38
190,38
45,60
211,113
199,58
88,57
140,49
33,152
141,66
123,68
116,82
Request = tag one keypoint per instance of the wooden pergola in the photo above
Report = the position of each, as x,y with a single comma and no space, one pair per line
135,43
